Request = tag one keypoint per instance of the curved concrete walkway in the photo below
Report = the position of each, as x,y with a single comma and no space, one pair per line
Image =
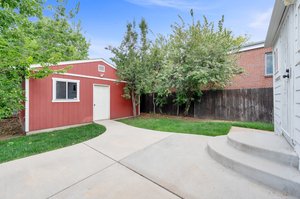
128,162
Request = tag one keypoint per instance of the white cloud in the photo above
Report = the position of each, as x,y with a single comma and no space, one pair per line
177,4
261,20
258,25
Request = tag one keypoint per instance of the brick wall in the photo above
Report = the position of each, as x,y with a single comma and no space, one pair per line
253,63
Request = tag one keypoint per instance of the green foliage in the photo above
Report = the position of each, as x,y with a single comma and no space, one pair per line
131,58
28,37
255,125
34,144
193,57
179,125
156,80
199,56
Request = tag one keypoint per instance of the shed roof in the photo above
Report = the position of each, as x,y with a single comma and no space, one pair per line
77,62
252,46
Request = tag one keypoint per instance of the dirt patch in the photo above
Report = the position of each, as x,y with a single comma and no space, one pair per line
10,127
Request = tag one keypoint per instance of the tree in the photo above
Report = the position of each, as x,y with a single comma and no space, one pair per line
131,58
200,57
28,37
158,82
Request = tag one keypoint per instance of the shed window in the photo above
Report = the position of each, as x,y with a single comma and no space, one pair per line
101,68
61,90
65,90
269,64
276,60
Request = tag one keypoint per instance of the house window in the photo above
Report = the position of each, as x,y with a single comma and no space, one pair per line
101,68
276,60
65,90
268,64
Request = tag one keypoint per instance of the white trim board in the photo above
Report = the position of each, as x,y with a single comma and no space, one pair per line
26,105
77,62
252,47
92,77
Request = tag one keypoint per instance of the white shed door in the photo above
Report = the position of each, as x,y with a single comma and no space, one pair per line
287,62
286,109
101,106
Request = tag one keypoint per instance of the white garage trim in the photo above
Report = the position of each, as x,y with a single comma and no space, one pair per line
26,105
92,77
77,62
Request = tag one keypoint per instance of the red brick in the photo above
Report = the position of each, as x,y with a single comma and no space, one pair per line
253,63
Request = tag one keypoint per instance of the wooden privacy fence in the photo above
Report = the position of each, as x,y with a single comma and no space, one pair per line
238,105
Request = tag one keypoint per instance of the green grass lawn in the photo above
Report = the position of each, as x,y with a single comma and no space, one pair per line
33,144
178,125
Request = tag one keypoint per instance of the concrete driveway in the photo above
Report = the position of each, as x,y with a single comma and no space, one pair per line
128,162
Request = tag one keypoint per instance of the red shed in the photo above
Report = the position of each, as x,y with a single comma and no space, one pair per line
89,91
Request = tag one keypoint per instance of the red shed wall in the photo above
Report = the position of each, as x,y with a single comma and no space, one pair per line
253,63
44,114
90,69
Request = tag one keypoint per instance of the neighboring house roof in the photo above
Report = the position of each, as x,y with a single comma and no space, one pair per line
78,62
276,20
252,45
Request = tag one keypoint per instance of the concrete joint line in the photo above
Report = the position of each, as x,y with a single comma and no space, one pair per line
83,179
129,154
168,190
145,147
99,152
119,161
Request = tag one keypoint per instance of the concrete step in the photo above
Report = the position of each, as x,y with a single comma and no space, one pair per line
263,144
279,176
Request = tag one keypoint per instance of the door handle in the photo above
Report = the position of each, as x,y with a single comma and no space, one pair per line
287,75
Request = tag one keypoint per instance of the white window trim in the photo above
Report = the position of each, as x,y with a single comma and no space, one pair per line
93,77
100,65
54,80
266,63
78,62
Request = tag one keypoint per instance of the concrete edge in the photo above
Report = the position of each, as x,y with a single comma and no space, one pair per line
276,182
280,157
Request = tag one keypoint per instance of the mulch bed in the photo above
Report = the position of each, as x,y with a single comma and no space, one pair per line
10,127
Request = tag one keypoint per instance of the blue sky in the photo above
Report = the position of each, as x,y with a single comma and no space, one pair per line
104,21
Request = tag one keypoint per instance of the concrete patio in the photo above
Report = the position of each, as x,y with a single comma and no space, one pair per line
128,162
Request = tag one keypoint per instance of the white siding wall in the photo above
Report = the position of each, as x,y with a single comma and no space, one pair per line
296,77
277,105
287,91
281,57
